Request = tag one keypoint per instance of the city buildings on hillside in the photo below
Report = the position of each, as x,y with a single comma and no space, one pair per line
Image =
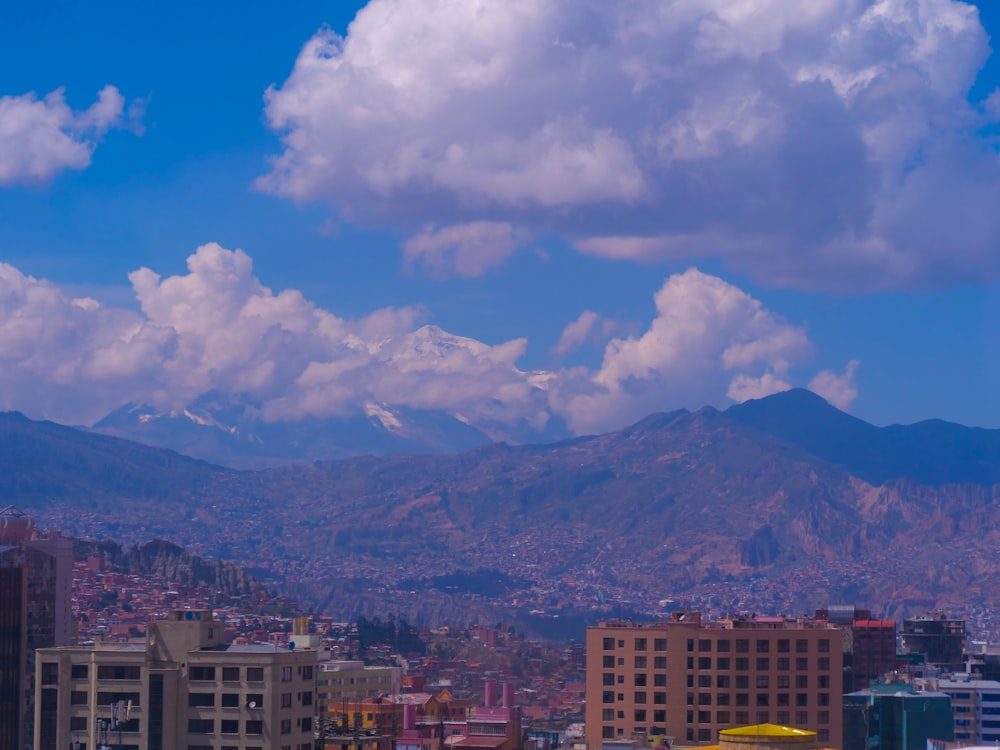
183,687
36,574
688,679
975,705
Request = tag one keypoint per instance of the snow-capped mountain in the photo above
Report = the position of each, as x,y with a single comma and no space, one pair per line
229,431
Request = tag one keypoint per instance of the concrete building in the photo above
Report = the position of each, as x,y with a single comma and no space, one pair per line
869,644
340,682
939,638
36,580
896,717
975,705
182,688
687,679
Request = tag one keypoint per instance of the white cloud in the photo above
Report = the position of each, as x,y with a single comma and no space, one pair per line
794,140
39,138
589,327
463,249
707,335
840,390
217,328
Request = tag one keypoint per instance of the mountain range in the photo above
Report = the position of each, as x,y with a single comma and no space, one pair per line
229,431
779,504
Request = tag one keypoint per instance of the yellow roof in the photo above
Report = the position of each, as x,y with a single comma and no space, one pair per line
766,730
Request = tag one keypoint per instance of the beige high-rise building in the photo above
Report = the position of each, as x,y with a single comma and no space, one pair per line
688,679
183,688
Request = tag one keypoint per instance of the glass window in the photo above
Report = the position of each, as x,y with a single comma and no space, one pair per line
255,674
659,644
609,644
230,674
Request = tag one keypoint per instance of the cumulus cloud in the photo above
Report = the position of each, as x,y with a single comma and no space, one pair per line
217,329
708,338
588,328
827,144
39,138
463,249
839,389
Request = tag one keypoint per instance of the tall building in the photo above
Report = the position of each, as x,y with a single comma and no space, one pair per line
939,638
36,579
896,717
976,708
688,679
869,644
183,687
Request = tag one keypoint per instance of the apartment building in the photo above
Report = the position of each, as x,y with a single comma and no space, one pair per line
182,688
688,679
975,706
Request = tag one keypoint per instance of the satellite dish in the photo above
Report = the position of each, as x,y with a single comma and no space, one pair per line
291,645
252,704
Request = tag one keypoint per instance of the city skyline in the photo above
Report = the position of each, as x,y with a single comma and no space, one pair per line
517,212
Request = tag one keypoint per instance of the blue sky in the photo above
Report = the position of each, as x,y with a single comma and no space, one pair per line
834,196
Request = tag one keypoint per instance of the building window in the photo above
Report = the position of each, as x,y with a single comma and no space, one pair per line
802,699
608,678
201,700
659,644
802,718
608,696
659,680
78,723
763,717
659,662
704,680
690,680
763,699
230,674
607,733
763,682
721,717
802,681
823,682
78,698
286,726
742,682
722,682
742,717
621,679
784,717
784,645
230,700
763,663
690,644
823,699
640,714
255,674
640,644
802,664
722,699
286,700
801,646
229,726
117,672
822,717
704,699
286,674
621,643
255,700
783,682
640,697
742,664
783,699
722,645
201,726
823,663
690,662
79,671
307,672
660,716
608,662
660,699
640,662
722,663
254,726
704,644
742,646
609,644
608,714
704,662
201,674
704,735
823,646
763,647
742,699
